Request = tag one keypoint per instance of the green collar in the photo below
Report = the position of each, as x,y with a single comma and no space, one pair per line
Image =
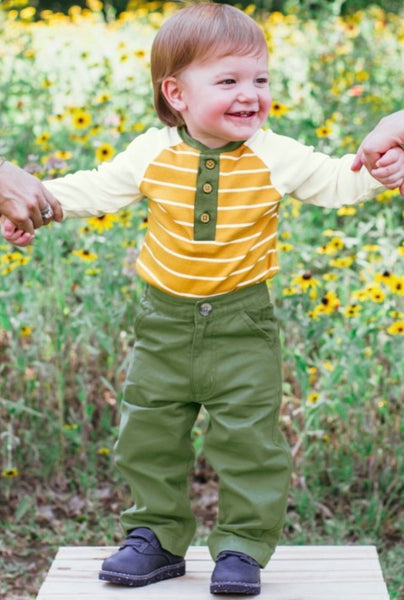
184,135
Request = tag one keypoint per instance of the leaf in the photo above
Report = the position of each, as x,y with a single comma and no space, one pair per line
23,507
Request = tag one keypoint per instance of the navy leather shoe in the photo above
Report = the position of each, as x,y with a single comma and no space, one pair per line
140,561
235,573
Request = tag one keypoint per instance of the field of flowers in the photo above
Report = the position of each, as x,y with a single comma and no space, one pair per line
74,90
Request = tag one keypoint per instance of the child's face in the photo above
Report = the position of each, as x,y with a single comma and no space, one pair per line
223,99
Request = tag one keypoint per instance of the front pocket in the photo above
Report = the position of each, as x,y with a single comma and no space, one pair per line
262,322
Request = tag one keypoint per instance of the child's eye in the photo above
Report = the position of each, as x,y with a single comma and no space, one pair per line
262,80
228,81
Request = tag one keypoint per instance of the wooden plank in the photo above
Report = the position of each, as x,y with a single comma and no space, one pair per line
294,573
339,567
295,552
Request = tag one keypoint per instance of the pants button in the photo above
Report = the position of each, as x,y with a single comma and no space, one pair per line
205,309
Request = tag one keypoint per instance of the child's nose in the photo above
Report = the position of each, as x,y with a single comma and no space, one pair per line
247,93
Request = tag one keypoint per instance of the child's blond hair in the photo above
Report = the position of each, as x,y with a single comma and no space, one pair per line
197,33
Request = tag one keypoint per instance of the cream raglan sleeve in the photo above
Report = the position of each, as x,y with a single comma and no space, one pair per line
107,189
314,177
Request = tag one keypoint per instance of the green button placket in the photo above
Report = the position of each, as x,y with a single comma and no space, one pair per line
206,197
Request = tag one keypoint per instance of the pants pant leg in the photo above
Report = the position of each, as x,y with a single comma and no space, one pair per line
243,443
224,354
154,451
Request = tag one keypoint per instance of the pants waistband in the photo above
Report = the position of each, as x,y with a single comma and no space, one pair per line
254,296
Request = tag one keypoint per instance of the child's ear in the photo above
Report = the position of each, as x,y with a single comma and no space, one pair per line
172,91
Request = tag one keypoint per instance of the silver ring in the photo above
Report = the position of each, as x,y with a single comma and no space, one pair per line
47,212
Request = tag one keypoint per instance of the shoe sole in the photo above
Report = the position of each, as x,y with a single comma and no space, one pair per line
230,587
130,580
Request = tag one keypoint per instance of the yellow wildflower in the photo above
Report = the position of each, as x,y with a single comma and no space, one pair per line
346,211
278,109
10,472
81,119
102,223
305,281
104,152
324,131
85,255
396,328
352,310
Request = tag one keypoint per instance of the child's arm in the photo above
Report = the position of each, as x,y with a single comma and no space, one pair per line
389,169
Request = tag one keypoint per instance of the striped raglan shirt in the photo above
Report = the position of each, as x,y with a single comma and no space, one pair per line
212,213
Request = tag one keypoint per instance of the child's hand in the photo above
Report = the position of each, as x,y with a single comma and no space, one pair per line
389,169
15,236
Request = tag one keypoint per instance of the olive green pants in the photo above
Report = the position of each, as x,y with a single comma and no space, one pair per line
222,353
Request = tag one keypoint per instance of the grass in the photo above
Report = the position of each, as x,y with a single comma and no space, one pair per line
67,304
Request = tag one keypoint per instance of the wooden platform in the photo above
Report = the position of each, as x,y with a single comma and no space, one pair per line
294,573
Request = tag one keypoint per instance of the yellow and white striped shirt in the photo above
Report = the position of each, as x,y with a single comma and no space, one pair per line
213,213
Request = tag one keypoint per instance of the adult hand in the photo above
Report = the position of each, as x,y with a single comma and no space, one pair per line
387,134
23,197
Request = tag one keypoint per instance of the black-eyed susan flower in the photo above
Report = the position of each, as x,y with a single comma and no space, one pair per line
332,247
360,295
352,310
103,451
10,472
346,211
93,272
62,155
330,277
104,152
140,53
125,217
324,131
102,223
376,294
289,291
102,98
313,398
85,255
278,109
144,224
343,262
397,285
396,328
43,138
305,281
330,301
81,119
25,331
313,373
285,247
336,243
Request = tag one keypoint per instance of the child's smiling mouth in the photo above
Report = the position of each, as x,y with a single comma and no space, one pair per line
243,114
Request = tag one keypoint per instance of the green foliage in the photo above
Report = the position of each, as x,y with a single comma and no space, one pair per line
67,304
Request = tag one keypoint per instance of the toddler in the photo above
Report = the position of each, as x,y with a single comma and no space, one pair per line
206,333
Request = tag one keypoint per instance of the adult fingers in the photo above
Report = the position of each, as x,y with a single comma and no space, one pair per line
357,162
54,204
